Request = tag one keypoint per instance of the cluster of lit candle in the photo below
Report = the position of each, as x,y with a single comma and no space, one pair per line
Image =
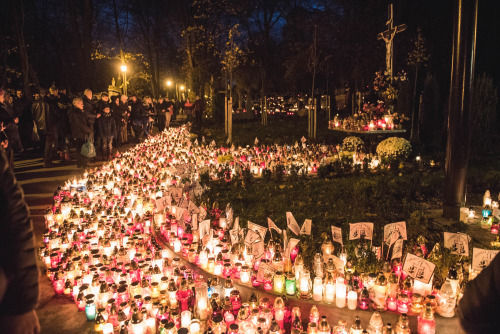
109,249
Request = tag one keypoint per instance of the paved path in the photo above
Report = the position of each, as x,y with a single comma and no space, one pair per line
57,314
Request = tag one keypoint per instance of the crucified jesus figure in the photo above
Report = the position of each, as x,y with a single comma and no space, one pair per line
388,51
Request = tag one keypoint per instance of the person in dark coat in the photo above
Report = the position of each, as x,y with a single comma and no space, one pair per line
161,109
90,112
39,110
480,305
18,267
80,129
12,128
51,122
136,113
107,130
23,111
63,126
147,113
199,108
119,118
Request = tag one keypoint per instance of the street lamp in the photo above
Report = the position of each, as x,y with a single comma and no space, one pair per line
169,83
124,71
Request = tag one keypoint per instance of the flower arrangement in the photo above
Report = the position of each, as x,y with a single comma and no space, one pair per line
351,143
394,149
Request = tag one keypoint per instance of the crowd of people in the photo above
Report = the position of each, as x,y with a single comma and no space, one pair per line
52,122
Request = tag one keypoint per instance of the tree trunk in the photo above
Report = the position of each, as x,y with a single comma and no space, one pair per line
118,32
462,80
18,16
414,105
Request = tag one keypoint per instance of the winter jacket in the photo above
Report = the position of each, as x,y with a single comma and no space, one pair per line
5,116
79,124
198,106
479,307
100,106
136,110
21,106
18,259
39,110
106,126
147,110
89,111
161,108
51,120
118,113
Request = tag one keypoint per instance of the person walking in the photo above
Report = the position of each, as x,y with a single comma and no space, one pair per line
80,129
107,130
161,109
18,268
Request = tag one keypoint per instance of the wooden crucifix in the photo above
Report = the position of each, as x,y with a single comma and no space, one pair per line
388,37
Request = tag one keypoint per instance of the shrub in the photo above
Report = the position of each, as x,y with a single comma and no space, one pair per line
394,149
352,143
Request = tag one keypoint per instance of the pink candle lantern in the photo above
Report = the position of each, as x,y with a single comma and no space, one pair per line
403,303
392,304
293,253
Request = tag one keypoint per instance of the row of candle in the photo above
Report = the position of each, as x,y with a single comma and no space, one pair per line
100,252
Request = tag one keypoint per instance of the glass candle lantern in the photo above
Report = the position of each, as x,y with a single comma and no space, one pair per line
426,321
352,300
314,314
323,326
364,299
392,304
403,303
417,303
329,288
245,275
195,327
290,284
279,311
340,292
305,285
279,282
446,300
90,310
201,306
318,289
185,319
379,292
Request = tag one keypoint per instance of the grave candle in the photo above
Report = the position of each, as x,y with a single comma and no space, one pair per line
317,289
352,300
340,292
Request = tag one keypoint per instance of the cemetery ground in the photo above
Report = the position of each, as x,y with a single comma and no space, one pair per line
335,197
